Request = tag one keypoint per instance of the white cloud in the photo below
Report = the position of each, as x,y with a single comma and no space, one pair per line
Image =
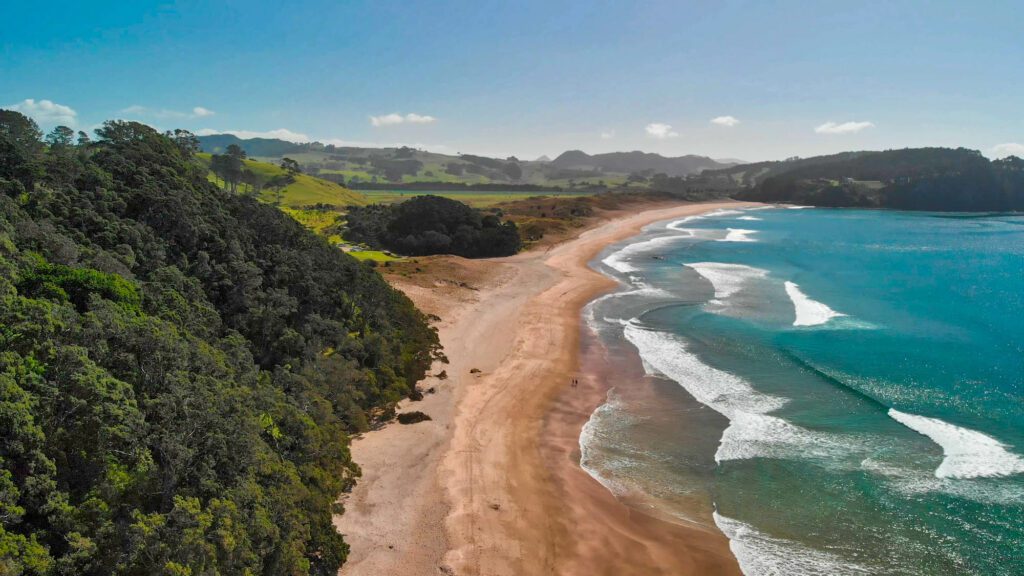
1007,149
418,119
843,128
395,118
280,133
134,110
46,112
607,134
137,110
299,138
660,131
727,121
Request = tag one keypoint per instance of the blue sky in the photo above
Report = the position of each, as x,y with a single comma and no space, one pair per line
531,78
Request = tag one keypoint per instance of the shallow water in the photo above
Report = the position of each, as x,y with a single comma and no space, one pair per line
840,391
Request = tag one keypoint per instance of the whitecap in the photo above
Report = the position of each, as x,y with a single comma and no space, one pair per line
738,235
750,218
752,435
809,312
727,279
759,554
966,453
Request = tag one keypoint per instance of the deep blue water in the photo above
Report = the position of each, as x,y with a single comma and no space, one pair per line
840,391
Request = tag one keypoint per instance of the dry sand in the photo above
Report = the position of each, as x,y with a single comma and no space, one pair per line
492,485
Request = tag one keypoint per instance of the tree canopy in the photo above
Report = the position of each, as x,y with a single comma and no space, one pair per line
179,365
432,225
910,179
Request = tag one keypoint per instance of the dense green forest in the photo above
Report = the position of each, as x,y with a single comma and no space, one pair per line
179,365
941,179
432,225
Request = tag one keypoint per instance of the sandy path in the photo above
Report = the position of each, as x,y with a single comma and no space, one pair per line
492,485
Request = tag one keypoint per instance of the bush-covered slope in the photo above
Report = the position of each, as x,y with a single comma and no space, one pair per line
179,366
910,179
432,225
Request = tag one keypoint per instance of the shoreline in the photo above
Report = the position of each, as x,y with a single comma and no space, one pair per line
493,484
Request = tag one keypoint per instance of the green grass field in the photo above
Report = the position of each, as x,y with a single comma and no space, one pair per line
305,191
474,198
375,255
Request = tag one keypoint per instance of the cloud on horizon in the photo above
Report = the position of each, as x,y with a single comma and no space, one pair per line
607,134
843,128
163,113
46,111
660,131
727,121
395,118
1007,149
280,134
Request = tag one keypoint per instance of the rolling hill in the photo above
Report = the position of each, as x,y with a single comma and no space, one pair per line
358,167
938,179
636,161
303,192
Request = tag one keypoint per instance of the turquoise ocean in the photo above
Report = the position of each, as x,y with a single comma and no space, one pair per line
838,391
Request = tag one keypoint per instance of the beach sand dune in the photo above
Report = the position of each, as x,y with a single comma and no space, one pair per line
492,485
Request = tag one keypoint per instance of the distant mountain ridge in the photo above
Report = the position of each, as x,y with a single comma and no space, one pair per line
264,147
404,166
636,161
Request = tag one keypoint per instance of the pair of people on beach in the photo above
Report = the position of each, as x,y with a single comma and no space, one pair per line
575,382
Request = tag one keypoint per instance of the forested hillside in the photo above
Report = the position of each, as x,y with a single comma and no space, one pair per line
179,365
942,179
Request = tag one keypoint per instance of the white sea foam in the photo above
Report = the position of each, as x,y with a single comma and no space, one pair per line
809,312
588,440
912,481
798,207
641,291
676,225
738,235
727,279
721,391
752,432
750,218
619,260
752,435
966,453
759,554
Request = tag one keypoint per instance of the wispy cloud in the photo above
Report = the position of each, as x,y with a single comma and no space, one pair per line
46,112
727,121
607,134
280,133
842,128
1007,149
395,118
163,113
660,131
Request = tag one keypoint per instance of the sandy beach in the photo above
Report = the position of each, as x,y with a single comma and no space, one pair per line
491,485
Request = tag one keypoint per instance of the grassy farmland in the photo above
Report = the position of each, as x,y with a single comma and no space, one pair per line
474,198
